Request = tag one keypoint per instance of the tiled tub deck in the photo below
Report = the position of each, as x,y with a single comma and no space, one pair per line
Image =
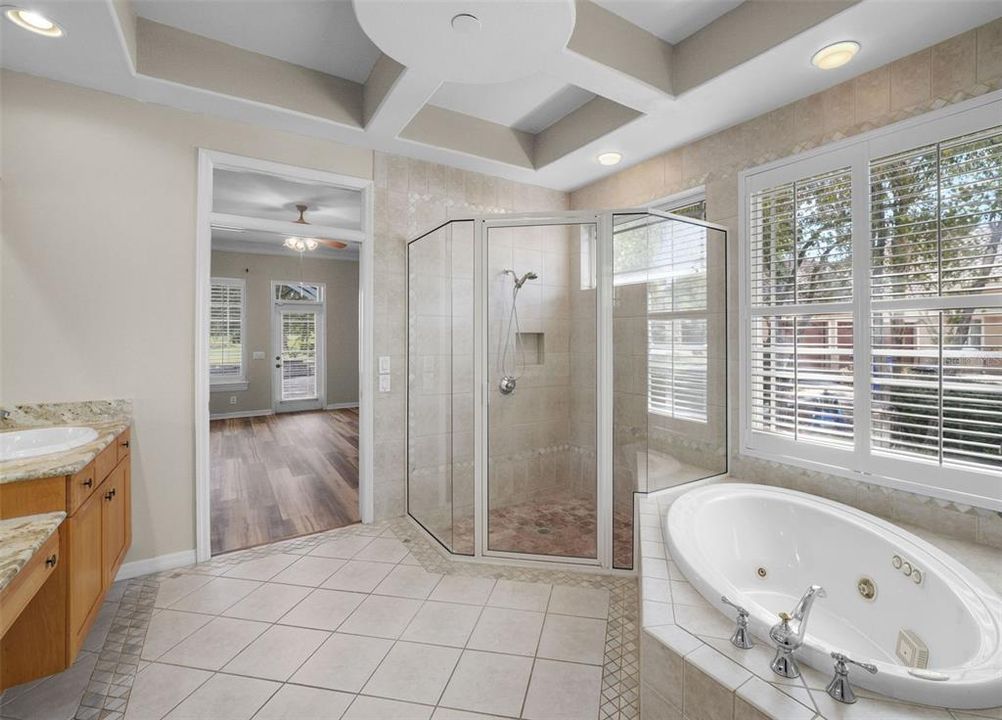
690,670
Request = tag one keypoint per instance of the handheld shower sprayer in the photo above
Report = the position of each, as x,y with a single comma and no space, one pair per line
509,345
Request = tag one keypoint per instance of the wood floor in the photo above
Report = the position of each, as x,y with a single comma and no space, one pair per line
281,476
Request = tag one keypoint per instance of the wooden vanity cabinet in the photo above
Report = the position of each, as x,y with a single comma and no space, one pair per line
94,539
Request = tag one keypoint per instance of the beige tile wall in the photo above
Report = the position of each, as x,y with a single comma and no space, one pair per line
412,196
959,68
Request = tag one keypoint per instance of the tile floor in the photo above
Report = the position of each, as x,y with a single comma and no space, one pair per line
362,622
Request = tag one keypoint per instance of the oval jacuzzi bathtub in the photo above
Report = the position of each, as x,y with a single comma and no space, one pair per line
763,547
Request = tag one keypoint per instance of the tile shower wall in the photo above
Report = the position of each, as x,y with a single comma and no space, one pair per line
542,436
411,197
962,67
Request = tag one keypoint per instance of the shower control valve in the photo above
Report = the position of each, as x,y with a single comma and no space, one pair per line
507,385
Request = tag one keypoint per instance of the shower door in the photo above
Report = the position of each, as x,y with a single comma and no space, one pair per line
542,494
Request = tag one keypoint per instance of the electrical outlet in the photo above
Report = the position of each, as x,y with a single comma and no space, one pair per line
384,383
233,399
384,364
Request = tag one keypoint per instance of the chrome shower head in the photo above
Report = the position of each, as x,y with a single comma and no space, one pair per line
520,281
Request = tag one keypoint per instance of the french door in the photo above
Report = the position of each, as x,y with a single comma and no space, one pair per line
298,351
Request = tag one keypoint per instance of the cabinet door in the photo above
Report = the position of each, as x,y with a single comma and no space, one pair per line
86,568
115,503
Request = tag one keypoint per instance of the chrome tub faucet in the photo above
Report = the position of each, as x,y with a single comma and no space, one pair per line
839,688
741,637
789,633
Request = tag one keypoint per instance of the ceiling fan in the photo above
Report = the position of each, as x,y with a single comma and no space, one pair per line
304,243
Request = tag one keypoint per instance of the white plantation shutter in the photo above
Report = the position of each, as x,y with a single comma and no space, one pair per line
801,361
936,237
921,401
226,323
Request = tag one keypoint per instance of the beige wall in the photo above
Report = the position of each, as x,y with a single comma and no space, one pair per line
99,268
959,68
258,271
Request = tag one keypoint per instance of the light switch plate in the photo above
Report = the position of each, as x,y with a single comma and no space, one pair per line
384,364
384,383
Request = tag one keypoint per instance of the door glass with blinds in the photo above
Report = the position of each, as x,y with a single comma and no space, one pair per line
298,345
226,330
874,317
668,354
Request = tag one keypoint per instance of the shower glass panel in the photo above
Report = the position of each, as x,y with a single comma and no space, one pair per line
542,387
669,360
440,384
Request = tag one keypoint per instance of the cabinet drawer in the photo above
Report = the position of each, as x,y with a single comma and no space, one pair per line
124,444
16,596
81,486
105,462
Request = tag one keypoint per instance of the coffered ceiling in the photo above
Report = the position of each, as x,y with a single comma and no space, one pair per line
531,90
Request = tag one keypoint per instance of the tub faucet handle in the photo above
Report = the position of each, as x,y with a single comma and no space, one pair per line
741,637
839,688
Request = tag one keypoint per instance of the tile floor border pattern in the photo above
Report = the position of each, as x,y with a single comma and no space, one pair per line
107,693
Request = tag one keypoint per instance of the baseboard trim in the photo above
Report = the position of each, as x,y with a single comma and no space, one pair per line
235,415
159,563
342,406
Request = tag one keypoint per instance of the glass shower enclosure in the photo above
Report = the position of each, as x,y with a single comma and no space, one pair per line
557,365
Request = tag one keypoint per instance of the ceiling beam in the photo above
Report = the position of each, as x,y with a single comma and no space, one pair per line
469,135
747,31
595,119
393,95
181,57
615,59
285,227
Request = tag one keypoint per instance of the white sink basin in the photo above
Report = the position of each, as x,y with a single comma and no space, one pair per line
20,444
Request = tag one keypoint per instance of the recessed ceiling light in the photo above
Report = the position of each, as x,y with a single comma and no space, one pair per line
835,55
465,23
610,158
32,21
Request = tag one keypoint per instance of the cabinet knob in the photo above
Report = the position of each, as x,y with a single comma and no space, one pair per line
89,482
109,495
51,561
125,443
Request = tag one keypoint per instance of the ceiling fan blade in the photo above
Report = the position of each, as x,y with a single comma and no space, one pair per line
335,244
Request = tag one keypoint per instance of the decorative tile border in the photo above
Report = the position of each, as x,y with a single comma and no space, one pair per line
107,694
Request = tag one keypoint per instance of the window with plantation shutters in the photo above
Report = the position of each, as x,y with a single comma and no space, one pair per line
872,306
226,330
801,277
936,256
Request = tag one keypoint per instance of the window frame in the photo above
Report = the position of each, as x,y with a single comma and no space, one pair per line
969,486
238,382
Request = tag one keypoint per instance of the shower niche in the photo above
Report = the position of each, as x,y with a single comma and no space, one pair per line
557,365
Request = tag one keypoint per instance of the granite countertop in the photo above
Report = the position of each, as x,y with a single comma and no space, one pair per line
108,417
21,538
